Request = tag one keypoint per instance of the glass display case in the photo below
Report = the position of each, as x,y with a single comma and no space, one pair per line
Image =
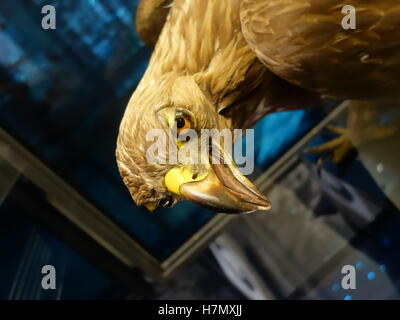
325,216
62,96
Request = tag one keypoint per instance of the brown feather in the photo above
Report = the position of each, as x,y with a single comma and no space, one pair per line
303,42
150,19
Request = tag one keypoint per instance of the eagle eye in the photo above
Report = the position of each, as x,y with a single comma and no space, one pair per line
183,122
183,125
180,122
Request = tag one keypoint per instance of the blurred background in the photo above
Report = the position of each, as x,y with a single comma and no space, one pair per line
62,202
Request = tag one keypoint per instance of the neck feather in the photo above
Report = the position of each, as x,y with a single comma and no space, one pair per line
203,38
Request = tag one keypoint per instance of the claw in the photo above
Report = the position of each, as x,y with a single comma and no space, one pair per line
383,132
339,147
335,129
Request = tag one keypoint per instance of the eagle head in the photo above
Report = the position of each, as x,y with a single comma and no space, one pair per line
167,150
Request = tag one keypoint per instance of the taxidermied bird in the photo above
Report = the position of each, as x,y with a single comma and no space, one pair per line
224,64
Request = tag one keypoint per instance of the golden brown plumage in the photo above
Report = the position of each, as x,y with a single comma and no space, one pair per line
210,61
150,19
303,42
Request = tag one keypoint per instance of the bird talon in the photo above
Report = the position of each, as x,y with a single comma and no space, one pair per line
335,150
335,129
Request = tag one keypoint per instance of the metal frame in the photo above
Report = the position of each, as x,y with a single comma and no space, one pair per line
95,223
265,180
106,232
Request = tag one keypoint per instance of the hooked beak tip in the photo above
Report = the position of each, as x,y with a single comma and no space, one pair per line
224,194
221,187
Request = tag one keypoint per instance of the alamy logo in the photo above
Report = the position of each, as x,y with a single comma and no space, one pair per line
349,280
349,20
215,146
49,20
49,280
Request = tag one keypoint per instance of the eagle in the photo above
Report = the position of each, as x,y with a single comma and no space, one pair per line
225,64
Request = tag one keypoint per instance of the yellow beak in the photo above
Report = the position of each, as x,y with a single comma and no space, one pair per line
220,187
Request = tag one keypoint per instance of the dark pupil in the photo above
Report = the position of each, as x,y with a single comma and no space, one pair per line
180,122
